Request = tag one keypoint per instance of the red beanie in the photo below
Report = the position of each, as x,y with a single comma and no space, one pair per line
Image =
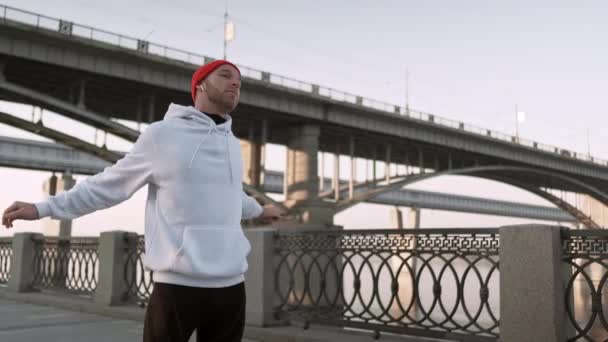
201,73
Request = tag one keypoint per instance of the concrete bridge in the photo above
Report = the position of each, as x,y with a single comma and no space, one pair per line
96,80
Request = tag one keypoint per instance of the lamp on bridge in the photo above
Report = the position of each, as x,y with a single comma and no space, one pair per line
228,30
520,118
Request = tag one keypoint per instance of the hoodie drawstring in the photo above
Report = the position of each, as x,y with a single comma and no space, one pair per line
211,127
229,160
225,130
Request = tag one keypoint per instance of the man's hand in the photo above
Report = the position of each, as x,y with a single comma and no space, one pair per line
19,211
271,214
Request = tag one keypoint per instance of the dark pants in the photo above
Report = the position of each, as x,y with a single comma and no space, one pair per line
175,311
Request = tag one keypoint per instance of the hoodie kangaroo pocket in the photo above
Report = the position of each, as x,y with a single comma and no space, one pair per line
212,252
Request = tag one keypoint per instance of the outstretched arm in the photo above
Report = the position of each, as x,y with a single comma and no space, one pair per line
252,209
113,185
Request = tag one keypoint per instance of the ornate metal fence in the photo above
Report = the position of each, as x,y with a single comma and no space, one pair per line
585,254
139,281
431,282
66,264
6,251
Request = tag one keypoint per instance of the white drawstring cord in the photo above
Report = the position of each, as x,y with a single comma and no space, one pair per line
211,127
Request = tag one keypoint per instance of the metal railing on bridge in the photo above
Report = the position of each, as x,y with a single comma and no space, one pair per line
585,255
138,280
427,282
70,264
430,282
438,282
72,29
6,251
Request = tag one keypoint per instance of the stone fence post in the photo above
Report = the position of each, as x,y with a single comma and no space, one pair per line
21,276
259,279
114,248
532,291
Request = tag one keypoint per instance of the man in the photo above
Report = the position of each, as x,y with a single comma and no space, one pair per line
195,245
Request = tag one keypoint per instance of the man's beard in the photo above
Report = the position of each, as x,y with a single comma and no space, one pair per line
216,97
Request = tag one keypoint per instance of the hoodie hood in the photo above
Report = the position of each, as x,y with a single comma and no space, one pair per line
179,111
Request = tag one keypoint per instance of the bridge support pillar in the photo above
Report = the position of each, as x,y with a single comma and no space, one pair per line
406,276
60,228
2,67
81,94
396,217
302,179
413,219
53,186
253,149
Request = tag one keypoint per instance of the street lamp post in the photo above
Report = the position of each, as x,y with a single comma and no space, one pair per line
228,30
520,117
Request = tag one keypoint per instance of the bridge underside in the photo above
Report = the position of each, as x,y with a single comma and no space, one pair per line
526,178
365,191
95,82
96,99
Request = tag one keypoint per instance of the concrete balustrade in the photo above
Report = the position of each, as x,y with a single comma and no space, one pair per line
22,262
114,248
532,278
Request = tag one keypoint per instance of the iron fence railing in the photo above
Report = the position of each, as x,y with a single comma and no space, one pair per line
138,280
585,257
6,251
431,282
70,264
72,29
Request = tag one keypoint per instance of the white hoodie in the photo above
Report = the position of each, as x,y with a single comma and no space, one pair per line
193,170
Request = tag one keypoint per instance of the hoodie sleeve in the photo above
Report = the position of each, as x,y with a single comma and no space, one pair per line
251,207
113,185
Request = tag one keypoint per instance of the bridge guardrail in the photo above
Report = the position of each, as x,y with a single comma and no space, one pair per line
585,253
445,283
6,251
139,281
87,32
70,264
372,279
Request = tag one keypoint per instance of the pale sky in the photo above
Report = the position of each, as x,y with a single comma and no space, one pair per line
470,61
